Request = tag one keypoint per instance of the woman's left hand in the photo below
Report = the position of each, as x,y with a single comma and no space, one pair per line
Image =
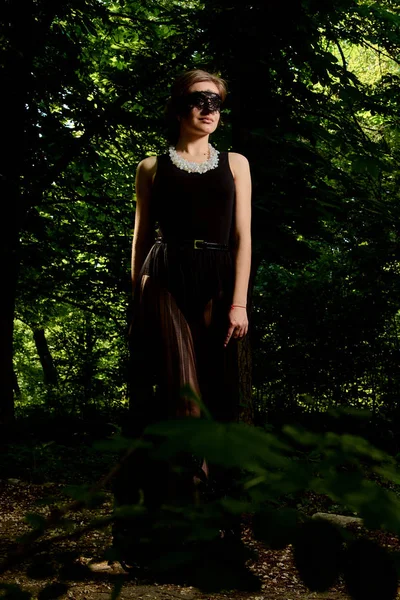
238,323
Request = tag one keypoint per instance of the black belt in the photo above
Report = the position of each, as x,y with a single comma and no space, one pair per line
194,244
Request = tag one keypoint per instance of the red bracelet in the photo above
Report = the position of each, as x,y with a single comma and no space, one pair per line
237,306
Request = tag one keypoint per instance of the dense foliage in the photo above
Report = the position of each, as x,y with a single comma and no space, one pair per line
274,474
313,103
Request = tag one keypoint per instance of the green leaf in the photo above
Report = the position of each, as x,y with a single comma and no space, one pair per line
235,507
230,445
189,393
389,473
302,436
379,508
354,444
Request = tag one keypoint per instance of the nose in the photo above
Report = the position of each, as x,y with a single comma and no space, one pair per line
206,110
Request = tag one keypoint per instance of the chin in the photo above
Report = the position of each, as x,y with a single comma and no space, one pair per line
209,128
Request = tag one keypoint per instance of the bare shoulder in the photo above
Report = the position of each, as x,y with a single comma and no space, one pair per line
237,158
238,163
148,165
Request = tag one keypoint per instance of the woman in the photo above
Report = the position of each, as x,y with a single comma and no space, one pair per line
190,286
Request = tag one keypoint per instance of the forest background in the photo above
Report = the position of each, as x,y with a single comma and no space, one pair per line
313,103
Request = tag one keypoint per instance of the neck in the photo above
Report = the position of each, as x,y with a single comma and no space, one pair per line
193,146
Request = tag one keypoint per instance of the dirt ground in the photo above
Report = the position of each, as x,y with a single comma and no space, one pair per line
275,568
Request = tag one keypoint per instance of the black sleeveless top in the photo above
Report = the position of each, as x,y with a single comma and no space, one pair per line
190,206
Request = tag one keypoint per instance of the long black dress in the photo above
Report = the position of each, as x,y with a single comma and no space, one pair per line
182,299
180,320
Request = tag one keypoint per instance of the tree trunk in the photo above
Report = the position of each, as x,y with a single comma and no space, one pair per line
17,389
18,27
13,107
8,261
18,33
9,193
46,360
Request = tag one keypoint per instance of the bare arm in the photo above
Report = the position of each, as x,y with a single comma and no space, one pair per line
238,315
143,235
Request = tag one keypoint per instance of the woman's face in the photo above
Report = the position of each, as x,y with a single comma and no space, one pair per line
201,120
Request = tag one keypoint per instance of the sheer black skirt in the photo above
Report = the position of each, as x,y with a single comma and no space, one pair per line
180,320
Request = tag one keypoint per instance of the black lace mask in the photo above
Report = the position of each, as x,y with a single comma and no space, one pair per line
207,102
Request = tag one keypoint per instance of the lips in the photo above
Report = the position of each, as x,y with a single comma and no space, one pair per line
207,120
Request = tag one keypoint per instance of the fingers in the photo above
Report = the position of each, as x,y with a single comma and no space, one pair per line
229,334
239,332
235,331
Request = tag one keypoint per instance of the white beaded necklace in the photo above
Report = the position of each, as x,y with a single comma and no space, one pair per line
193,167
